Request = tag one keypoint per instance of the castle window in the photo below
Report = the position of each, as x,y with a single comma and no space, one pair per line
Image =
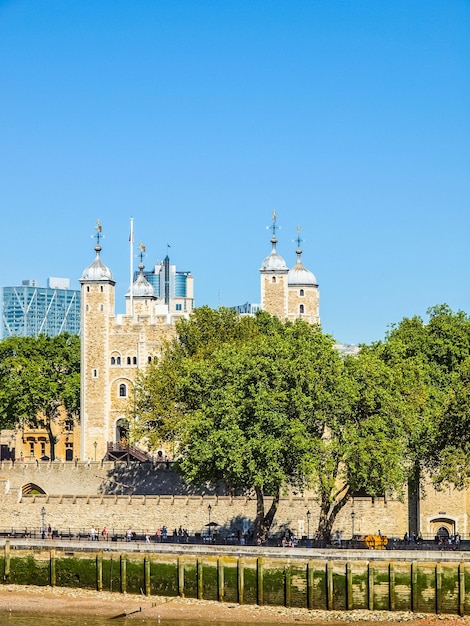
113,361
102,308
95,373
101,288
301,293
88,288
43,449
128,360
149,359
122,390
301,309
178,307
273,279
31,448
134,360
87,307
118,360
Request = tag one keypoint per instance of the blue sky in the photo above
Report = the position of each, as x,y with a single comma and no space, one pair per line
199,118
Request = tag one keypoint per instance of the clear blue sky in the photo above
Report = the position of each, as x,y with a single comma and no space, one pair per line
199,118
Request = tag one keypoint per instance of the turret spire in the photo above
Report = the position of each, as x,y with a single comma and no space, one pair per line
274,227
97,270
98,234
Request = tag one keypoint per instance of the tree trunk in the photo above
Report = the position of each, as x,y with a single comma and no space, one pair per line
264,522
51,440
329,512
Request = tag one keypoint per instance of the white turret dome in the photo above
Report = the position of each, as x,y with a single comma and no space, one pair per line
141,287
299,275
97,270
274,262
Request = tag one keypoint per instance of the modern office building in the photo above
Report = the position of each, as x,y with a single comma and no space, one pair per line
29,310
173,287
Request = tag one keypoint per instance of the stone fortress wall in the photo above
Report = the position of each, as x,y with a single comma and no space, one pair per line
141,496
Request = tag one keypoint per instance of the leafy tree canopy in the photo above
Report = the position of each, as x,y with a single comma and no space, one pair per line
264,405
39,376
434,359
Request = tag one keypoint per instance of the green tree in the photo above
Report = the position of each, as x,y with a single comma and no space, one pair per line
267,406
361,446
432,357
39,376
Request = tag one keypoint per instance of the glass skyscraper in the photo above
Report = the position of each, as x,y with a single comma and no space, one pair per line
29,310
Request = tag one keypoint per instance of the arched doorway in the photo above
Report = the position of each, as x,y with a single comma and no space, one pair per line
442,528
442,532
122,430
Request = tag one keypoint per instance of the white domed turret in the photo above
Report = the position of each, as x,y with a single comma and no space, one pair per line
141,287
97,270
273,274
300,276
274,261
303,292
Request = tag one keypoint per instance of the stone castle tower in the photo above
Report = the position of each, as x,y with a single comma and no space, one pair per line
288,294
114,347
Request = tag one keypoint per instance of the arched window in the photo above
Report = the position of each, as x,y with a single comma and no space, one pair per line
273,279
101,288
134,360
113,361
128,360
122,390
301,293
301,309
118,360
149,359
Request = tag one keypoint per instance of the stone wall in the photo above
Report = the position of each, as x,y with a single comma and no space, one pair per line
144,497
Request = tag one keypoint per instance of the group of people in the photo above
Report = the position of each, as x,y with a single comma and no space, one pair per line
413,538
46,532
180,535
452,541
288,540
94,534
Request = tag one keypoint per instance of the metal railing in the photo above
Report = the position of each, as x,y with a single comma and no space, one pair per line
217,538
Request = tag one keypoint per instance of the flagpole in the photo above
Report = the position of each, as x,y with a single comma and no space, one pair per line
131,264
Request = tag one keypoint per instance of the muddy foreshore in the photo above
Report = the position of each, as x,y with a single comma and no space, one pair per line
65,601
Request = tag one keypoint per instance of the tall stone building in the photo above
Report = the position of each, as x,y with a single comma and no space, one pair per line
288,294
116,346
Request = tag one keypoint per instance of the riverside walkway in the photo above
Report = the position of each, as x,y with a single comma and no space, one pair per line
301,553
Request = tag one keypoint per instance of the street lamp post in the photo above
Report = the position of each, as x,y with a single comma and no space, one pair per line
95,444
352,524
209,509
43,522
308,527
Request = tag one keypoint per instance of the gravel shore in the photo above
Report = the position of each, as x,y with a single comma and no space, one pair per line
65,601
